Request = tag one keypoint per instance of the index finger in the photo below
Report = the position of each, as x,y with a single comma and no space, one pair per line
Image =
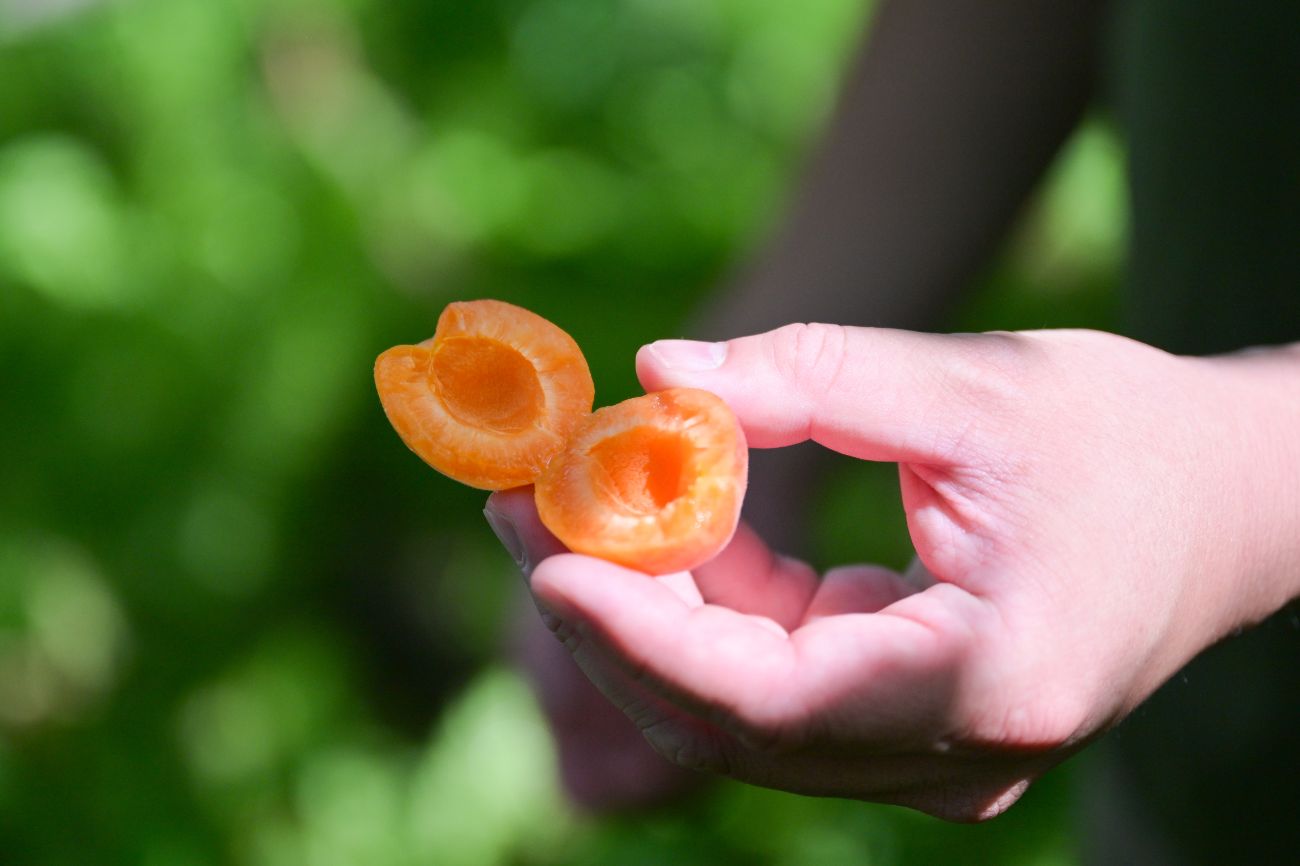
872,393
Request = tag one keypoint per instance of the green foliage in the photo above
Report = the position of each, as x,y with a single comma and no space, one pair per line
238,622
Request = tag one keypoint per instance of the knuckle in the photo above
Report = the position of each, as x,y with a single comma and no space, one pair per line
993,371
564,632
1036,725
1043,726
638,673
642,713
758,736
993,377
766,733
686,746
809,356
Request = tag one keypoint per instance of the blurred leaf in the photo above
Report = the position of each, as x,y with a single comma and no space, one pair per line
485,791
62,227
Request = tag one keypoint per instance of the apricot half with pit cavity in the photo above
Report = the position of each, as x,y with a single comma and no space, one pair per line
501,398
654,483
491,398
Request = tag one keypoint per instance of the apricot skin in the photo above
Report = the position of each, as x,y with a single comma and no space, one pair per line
654,483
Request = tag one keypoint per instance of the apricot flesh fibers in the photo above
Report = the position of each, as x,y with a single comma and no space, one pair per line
499,397
491,398
654,483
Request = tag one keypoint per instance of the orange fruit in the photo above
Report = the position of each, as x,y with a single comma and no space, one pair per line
654,483
491,398
500,397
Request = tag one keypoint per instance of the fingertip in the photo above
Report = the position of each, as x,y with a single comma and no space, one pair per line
566,578
619,603
668,363
649,372
856,589
771,414
749,577
647,368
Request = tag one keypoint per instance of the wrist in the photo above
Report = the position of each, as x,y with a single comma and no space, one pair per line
1255,405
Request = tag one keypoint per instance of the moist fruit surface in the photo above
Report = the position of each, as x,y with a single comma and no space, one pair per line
499,397
654,483
491,398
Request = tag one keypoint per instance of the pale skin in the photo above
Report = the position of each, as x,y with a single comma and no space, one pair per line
919,172
1088,514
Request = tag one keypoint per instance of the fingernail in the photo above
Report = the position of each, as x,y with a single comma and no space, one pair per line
691,356
509,537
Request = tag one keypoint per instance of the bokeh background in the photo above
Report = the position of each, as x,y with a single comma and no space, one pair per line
239,622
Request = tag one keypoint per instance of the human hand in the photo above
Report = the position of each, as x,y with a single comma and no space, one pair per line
1088,513
603,762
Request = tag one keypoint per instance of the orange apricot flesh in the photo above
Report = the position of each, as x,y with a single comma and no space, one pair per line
491,398
654,483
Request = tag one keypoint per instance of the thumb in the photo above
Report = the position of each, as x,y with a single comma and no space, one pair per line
871,393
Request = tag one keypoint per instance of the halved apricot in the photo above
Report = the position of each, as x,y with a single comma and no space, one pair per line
654,483
491,398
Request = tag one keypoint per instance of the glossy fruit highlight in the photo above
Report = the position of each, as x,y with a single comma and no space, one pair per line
500,398
491,398
654,483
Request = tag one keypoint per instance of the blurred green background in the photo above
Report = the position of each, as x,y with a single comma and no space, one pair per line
239,622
